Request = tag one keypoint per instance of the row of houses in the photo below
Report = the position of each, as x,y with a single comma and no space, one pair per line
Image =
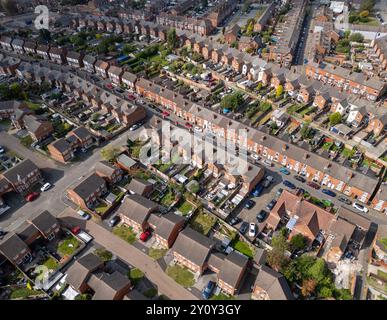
314,167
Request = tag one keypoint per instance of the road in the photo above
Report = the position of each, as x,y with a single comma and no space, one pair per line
134,257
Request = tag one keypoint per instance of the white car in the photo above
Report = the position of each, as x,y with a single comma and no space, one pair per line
198,129
267,163
255,156
360,207
84,215
45,187
252,229
2,150
268,181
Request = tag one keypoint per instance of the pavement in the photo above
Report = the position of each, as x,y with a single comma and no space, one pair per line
133,256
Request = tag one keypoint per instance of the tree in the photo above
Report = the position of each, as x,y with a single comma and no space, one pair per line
364,14
308,287
334,118
45,35
246,6
83,296
232,101
172,39
342,294
356,37
279,91
276,257
319,271
346,34
105,255
325,292
298,242
110,153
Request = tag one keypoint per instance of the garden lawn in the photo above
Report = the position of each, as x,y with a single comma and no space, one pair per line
22,293
244,248
203,223
125,233
26,141
222,296
101,208
157,253
185,208
168,199
68,246
181,275
51,263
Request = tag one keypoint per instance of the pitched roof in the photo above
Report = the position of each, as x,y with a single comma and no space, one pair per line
233,266
105,168
62,145
89,185
137,208
44,221
20,171
26,230
81,133
274,284
138,186
11,246
106,286
165,224
192,245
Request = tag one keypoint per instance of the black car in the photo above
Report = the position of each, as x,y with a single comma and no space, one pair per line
299,178
271,205
235,221
261,216
249,204
345,200
243,228
113,221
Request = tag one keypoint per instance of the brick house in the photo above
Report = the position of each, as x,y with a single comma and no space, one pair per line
109,172
140,186
380,47
101,68
6,43
86,193
30,47
129,79
61,150
166,228
43,51
37,128
89,63
232,34
75,59
378,125
115,74
58,55
85,138
18,46
46,224
8,108
135,210
15,249
191,249
220,12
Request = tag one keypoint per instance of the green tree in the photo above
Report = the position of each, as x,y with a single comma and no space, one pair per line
325,292
364,14
172,39
110,153
83,296
276,257
342,294
298,242
347,34
232,101
319,271
279,91
334,118
356,37
104,254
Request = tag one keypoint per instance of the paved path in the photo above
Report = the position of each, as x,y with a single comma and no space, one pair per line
137,258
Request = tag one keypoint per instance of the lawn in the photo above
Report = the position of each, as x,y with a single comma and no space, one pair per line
203,222
185,208
244,248
157,253
26,141
23,293
101,208
125,233
347,152
104,254
51,263
68,246
382,275
168,199
222,296
135,275
231,234
163,167
33,106
181,275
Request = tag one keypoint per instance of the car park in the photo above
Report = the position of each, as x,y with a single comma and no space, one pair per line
344,200
299,178
45,187
249,204
261,216
313,185
207,292
243,228
271,205
360,207
328,192
288,184
252,229
284,171
84,215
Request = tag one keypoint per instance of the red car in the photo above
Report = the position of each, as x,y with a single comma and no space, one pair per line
32,196
188,125
165,113
76,229
145,235
313,185
109,86
131,97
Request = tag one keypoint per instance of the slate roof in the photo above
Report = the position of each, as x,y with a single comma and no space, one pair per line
274,284
89,185
22,169
137,208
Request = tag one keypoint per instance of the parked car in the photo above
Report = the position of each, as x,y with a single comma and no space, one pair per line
255,156
243,228
207,292
252,229
32,196
360,207
249,204
45,187
313,185
2,150
328,192
84,215
268,181
344,200
301,191
235,221
113,221
145,235
261,216
271,205
289,184
166,114
257,191
76,229
267,163
284,171
279,192
299,178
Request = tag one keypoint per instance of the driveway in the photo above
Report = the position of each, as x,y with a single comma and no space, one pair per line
131,255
